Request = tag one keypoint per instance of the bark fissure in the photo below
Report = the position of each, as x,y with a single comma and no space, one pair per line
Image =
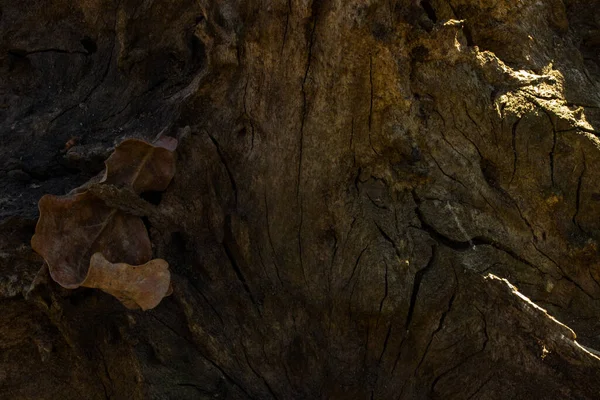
104,74
287,24
25,53
453,179
435,332
107,394
313,21
466,359
300,252
385,292
275,263
578,194
417,281
388,239
226,165
355,266
210,304
247,114
258,374
385,344
483,384
514,148
240,275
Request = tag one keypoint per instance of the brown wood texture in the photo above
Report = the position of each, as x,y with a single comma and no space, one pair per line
372,199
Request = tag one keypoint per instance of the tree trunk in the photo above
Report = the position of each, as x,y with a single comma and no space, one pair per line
359,186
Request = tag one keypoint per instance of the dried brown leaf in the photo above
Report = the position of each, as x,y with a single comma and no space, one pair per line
142,286
141,165
72,228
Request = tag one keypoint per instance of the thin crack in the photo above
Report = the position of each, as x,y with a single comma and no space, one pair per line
104,75
258,375
271,238
314,18
418,279
514,148
435,332
355,266
287,23
229,173
578,194
385,293
247,115
25,53
240,275
464,361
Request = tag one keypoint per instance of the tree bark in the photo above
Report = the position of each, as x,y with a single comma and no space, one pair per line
373,199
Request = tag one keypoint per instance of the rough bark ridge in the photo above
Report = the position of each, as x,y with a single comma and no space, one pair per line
354,181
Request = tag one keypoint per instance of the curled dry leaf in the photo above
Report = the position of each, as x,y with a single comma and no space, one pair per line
141,165
142,286
72,228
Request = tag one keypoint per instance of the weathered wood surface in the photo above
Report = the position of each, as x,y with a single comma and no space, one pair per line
349,174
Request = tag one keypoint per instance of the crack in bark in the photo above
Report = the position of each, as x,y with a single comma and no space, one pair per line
135,97
262,264
351,147
552,152
208,359
467,138
238,272
371,102
228,377
533,235
480,387
229,173
287,23
25,53
356,266
578,194
445,174
418,279
271,238
197,387
385,343
385,293
445,139
514,148
300,253
466,359
568,278
345,242
435,332
258,375
208,302
389,240
371,93
104,75
473,242
535,101
472,120
106,372
247,115
335,249
564,274
553,149
173,330
375,204
313,20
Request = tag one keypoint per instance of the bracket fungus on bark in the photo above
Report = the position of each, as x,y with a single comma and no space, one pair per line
142,286
72,228
141,165
85,242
